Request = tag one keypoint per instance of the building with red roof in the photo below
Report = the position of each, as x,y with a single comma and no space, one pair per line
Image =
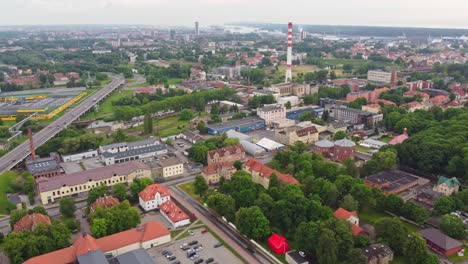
145,90
106,201
351,217
279,244
439,100
23,80
153,196
214,172
176,216
400,138
261,173
31,221
149,235
226,154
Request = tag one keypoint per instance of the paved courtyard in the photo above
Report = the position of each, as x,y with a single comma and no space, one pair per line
220,255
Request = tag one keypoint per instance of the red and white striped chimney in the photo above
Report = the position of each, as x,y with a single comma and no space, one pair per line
289,54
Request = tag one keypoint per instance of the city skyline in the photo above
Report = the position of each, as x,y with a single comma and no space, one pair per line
400,13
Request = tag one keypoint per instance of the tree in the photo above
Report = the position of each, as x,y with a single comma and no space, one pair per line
339,135
118,218
349,203
186,115
16,215
327,248
357,257
201,127
252,223
350,167
361,241
97,192
307,237
67,207
415,248
238,164
222,204
99,228
394,203
231,142
119,191
198,152
444,205
120,136
392,232
200,186
288,105
333,75
148,124
452,226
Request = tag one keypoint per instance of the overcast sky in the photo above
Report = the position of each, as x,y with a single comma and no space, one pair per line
417,13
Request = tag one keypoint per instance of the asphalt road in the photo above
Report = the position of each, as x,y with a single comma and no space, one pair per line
234,239
19,153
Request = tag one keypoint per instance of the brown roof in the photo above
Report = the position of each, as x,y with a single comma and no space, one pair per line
98,174
105,201
265,171
226,151
86,243
435,236
306,131
213,168
171,161
31,221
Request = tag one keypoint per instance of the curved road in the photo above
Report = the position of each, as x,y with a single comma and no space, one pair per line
19,153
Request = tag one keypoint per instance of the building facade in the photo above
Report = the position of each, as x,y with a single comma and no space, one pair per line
174,214
382,77
291,135
214,172
76,183
226,154
261,173
153,196
447,186
171,166
271,113
110,158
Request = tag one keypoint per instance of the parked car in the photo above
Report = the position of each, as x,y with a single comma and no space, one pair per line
204,230
195,257
198,261
209,260
194,242
217,245
170,255
164,253
176,262
191,254
302,254
183,245
171,258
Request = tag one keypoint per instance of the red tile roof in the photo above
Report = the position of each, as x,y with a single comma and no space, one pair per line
173,212
150,191
398,139
31,221
213,168
86,243
344,214
254,165
226,151
105,201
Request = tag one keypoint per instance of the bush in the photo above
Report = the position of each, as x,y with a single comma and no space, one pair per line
72,224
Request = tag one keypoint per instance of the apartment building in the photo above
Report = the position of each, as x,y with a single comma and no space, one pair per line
271,113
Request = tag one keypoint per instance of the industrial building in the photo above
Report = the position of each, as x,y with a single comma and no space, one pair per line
241,125
392,182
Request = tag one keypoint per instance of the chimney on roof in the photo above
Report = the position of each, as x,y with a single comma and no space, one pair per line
138,228
31,144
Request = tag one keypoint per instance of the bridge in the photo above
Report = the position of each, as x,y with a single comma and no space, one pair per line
19,153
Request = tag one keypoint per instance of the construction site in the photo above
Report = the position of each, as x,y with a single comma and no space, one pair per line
47,103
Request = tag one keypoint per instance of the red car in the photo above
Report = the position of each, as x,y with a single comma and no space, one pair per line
204,230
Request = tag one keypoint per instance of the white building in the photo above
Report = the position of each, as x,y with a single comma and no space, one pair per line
174,214
372,143
271,113
294,100
109,158
80,156
153,196
381,77
124,146
171,166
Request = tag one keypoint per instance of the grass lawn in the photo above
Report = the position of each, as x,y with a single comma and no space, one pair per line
6,180
106,108
169,126
190,190
456,259
281,258
174,81
174,233
362,149
385,139
371,216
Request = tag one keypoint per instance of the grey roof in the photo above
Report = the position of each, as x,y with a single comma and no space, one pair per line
139,256
375,142
115,145
81,177
237,122
271,108
192,135
135,152
345,143
142,143
435,236
99,124
394,178
93,257
42,165
250,147
338,124
296,257
324,143
234,134
377,250
171,161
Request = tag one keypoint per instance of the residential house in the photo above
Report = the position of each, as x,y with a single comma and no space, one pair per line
271,113
214,172
171,166
31,221
261,173
351,217
378,254
226,154
153,196
174,214
447,186
106,201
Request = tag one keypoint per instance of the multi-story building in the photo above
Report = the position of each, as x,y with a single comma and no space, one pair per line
378,254
174,214
271,113
447,186
356,116
337,151
291,135
51,189
153,196
419,85
226,154
45,167
261,173
110,158
241,125
382,77
285,89
292,99
171,166
117,248
214,172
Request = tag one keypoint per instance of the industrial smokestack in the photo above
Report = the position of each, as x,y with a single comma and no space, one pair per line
289,54
31,144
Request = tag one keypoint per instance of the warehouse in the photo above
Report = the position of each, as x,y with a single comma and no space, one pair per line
240,125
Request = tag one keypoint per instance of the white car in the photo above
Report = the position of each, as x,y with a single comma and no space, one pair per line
183,245
194,257
190,232
302,254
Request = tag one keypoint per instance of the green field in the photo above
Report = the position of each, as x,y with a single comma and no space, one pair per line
6,181
456,259
385,139
371,216
189,189
105,108
362,149
169,126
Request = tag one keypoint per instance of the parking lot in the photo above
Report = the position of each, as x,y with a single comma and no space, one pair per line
207,240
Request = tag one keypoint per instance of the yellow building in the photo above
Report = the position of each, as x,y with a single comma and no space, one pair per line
51,189
291,135
171,166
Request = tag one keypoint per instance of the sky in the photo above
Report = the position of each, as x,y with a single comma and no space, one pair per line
410,13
